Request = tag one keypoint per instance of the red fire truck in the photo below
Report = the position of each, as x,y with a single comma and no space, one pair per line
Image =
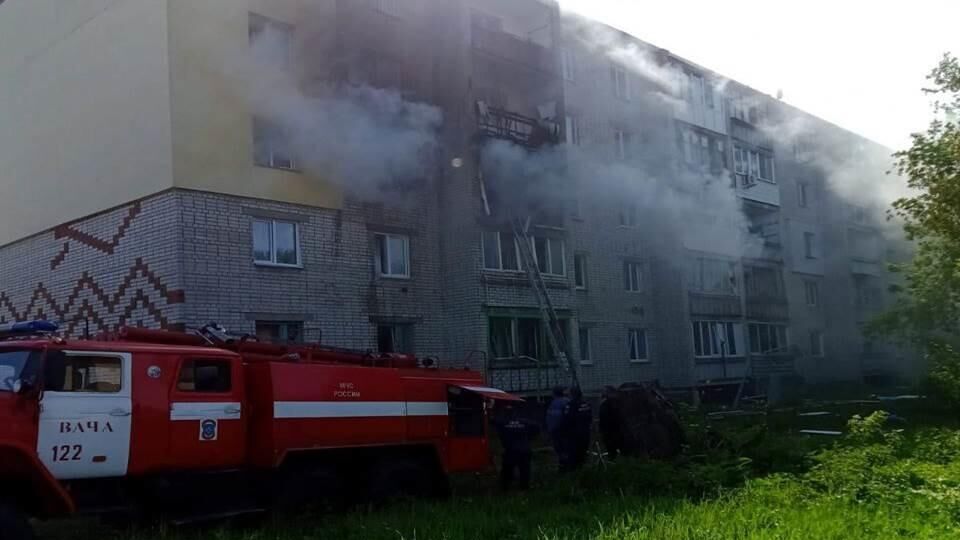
210,425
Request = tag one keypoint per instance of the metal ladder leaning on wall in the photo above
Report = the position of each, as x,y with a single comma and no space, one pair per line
521,231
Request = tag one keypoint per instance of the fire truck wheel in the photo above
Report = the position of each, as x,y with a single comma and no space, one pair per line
14,524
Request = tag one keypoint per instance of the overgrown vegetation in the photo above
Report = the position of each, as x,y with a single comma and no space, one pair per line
927,313
734,482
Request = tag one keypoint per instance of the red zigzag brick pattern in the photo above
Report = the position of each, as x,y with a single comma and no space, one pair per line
43,305
106,246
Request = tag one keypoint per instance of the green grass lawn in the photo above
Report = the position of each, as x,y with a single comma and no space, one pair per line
749,483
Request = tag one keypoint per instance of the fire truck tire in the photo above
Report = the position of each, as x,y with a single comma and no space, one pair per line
14,524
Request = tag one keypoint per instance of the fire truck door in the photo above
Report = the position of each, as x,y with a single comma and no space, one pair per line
206,414
85,415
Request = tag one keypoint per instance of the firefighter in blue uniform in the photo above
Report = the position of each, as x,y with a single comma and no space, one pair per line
515,433
575,429
554,424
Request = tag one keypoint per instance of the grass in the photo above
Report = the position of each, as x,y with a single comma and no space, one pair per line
741,483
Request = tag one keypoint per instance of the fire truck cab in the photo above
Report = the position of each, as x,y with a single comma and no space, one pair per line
163,422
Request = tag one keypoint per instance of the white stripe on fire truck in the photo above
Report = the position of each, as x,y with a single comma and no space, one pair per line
205,411
357,409
483,389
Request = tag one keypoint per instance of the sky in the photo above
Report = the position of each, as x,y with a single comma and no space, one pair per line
860,64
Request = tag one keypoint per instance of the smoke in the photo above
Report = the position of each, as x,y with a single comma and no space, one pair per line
371,142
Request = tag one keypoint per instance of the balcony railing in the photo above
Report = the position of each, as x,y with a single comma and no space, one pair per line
502,124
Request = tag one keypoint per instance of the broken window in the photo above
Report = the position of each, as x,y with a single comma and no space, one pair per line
521,337
580,271
272,145
395,338
768,338
392,257
276,242
637,343
621,82
713,276
500,251
633,276
715,339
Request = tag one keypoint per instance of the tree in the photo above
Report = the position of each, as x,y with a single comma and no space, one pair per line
927,311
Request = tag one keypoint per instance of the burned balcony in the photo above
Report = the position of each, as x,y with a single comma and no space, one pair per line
496,123
765,240
766,297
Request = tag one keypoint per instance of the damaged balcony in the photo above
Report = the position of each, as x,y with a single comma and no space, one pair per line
508,190
765,240
496,123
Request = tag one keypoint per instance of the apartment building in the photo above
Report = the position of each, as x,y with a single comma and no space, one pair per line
680,240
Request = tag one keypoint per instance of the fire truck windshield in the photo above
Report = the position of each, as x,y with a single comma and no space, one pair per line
17,365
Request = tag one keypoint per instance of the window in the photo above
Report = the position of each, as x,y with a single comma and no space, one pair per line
207,376
629,214
521,337
569,64
580,271
739,160
487,22
395,338
637,339
716,339
274,41
392,256
500,251
802,194
697,150
812,290
816,343
276,242
766,167
864,245
389,7
279,332
586,350
713,276
695,87
90,374
573,130
621,82
272,146
632,276
708,95
808,245
549,255
763,282
621,140
768,338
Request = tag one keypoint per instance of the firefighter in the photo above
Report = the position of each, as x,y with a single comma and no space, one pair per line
515,433
609,423
575,428
554,422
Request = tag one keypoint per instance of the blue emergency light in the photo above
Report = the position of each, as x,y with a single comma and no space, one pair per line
27,328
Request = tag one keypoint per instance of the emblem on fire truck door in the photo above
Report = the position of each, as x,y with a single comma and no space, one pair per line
208,430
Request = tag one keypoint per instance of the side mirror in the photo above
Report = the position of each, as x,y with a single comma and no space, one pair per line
17,386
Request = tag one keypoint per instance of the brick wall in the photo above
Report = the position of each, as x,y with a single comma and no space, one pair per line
117,268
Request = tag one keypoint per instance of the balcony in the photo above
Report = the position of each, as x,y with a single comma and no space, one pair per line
496,123
767,308
754,189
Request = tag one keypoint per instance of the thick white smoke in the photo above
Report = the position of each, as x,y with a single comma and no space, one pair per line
371,142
